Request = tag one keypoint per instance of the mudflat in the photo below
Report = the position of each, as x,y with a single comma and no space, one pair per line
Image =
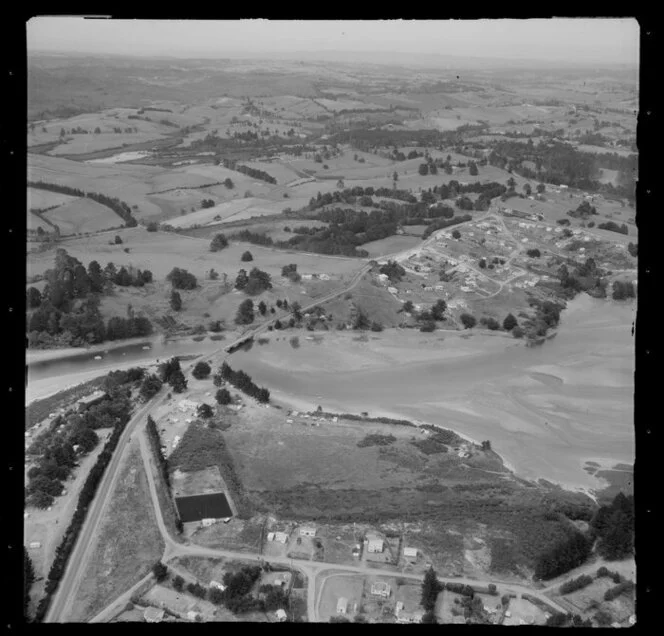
546,409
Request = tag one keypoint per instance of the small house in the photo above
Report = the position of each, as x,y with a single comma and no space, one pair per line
153,615
219,586
398,608
34,545
281,537
342,605
307,531
411,553
192,616
381,588
281,615
270,536
206,523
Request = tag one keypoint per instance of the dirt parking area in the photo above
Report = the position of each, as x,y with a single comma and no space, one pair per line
522,612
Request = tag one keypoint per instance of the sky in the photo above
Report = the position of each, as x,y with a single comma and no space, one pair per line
571,40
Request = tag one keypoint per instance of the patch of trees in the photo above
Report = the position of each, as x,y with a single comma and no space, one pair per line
219,242
245,312
547,316
613,525
376,439
207,203
510,322
242,381
563,556
254,173
436,442
150,386
119,207
613,227
623,290
162,463
534,253
633,249
576,584
431,587
204,411
561,164
181,279
256,282
290,272
223,397
28,580
583,211
585,277
85,498
468,321
237,595
175,301
131,277
201,370
559,619
490,323
171,373
393,271
252,237
246,257
621,588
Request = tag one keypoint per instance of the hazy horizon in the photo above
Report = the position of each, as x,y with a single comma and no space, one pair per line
565,41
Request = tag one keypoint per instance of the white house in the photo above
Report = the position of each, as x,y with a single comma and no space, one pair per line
208,522
35,544
307,276
281,537
219,586
307,531
410,552
270,536
281,615
342,605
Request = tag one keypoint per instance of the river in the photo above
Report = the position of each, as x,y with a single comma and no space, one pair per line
51,375
546,410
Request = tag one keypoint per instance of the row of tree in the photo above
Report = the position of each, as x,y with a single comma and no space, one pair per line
242,381
85,498
115,204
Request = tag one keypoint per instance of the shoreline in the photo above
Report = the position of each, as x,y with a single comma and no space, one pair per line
284,399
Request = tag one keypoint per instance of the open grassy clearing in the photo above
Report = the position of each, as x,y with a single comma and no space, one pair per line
128,545
391,244
83,215
40,199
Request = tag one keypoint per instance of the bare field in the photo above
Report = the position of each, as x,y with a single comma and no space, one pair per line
128,545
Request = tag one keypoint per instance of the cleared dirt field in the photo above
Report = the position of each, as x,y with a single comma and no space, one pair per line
128,545
230,211
83,215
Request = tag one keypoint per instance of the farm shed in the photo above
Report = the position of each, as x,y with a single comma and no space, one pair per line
307,531
342,605
410,552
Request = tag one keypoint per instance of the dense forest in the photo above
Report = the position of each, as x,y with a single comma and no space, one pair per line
66,312
561,164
